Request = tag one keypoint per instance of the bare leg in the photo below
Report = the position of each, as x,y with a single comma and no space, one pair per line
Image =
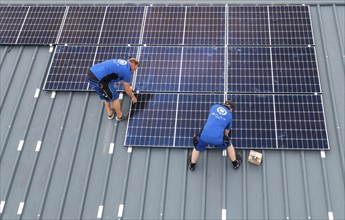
231,153
108,108
195,155
117,106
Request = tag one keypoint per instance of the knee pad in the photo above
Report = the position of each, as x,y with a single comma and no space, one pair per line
106,92
226,141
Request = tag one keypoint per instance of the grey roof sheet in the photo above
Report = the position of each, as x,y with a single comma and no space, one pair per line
73,174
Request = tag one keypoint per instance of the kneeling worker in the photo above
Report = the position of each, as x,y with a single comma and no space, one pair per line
216,133
102,77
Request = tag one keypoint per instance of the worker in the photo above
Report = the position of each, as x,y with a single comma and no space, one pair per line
102,77
216,132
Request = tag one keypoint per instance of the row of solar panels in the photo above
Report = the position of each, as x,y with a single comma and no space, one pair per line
260,121
194,69
156,25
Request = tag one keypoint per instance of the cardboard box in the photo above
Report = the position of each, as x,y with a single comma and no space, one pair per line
255,157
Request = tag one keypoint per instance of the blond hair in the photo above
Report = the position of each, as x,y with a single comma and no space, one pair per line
134,61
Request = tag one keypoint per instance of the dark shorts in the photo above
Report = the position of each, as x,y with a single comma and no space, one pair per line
109,90
201,145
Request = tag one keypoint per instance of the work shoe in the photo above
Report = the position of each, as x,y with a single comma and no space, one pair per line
191,165
236,165
124,117
112,115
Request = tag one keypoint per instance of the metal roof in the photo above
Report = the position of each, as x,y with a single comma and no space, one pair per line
57,163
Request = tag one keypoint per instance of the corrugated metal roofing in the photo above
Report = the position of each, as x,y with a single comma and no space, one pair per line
56,161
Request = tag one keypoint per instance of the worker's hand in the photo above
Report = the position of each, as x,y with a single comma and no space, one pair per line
134,100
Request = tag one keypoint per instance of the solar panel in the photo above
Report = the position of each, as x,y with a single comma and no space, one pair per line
295,70
164,25
115,52
152,121
122,25
248,25
253,122
290,25
82,25
193,110
11,21
160,69
42,25
249,70
69,67
301,122
205,25
202,69
168,120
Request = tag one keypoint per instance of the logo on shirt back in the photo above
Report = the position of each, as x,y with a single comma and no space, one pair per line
122,62
221,111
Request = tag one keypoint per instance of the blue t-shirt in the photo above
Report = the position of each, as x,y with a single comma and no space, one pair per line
118,66
219,118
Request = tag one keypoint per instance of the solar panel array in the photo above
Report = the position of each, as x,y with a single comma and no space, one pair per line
198,69
158,25
191,58
261,121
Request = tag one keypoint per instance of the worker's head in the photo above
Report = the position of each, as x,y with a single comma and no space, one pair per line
134,64
230,104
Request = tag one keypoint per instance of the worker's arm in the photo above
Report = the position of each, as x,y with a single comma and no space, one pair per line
129,91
